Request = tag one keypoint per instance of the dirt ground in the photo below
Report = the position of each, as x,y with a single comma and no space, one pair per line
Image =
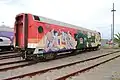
107,71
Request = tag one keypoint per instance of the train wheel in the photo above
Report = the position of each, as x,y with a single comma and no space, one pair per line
98,47
36,59
12,49
49,56
27,58
22,55
17,50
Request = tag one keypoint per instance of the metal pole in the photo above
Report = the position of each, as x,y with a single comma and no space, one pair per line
113,23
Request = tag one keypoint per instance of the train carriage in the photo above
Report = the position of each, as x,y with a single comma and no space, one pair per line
6,38
37,36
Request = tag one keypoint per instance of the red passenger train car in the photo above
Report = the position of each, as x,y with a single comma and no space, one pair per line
37,36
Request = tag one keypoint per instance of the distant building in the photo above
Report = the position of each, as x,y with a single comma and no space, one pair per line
104,41
6,28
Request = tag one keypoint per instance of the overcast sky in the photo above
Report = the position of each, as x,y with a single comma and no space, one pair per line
91,14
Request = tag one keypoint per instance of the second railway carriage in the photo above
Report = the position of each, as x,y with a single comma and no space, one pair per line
37,36
6,38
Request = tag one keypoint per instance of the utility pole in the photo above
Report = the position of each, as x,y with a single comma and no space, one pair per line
113,10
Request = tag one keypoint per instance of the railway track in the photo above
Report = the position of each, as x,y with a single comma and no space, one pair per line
30,62
27,64
12,55
7,52
65,71
14,65
12,62
85,69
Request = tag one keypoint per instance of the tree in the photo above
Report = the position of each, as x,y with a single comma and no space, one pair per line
117,38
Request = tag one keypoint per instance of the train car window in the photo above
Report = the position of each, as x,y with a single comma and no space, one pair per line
40,29
1,40
36,18
99,36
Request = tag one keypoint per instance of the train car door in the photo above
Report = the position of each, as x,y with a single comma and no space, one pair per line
21,31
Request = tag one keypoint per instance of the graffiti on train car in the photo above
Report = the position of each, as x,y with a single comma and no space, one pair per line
63,40
59,40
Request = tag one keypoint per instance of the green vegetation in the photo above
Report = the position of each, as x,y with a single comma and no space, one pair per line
117,39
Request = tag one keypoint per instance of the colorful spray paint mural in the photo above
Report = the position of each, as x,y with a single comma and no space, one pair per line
81,40
59,41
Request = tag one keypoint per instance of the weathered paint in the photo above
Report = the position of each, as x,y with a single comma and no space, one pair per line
59,36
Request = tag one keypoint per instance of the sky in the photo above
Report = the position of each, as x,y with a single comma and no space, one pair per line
90,14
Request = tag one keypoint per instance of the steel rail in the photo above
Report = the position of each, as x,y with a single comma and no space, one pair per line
61,66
